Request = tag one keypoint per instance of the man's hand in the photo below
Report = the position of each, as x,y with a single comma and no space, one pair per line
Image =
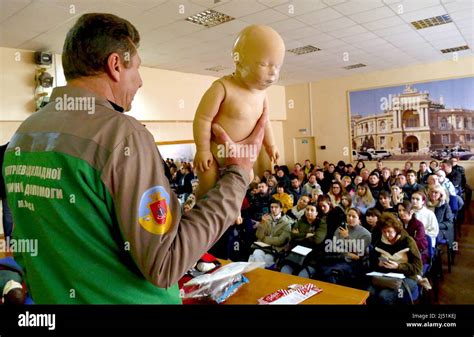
251,145
203,160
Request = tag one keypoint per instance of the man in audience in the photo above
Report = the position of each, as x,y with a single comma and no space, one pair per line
274,230
296,189
411,186
460,169
401,180
364,173
453,175
378,167
259,202
423,173
374,185
312,185
350,171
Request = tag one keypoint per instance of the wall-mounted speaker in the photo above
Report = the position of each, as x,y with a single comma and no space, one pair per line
43,58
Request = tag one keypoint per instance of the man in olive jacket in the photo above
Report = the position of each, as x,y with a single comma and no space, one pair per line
273,230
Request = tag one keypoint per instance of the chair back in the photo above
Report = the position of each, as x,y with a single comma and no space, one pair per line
431,249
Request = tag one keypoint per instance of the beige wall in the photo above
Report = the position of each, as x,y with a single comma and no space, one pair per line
330,109
298,117
166,103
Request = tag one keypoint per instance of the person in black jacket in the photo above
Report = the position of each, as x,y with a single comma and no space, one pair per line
7,215
454,176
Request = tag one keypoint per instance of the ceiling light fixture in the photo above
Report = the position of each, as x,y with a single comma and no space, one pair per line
353,66
303,50
209,18
450,50
431,22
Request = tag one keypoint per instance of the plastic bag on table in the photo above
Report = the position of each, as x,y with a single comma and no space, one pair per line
220,284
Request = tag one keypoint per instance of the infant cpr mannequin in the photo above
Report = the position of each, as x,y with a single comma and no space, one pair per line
237,101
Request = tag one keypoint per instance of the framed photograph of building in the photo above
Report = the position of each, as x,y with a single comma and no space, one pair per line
414,121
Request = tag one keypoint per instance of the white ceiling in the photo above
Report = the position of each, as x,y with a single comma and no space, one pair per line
373,32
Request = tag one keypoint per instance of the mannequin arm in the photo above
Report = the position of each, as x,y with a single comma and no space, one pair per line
269,140
206,111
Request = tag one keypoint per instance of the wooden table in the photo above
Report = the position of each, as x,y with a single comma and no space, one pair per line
263,282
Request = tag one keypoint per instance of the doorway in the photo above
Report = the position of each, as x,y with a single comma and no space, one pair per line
304,149
411,144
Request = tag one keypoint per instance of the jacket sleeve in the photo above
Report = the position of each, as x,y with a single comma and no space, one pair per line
447,218
414,266
261,232
283,236
432,226
164,243
420,236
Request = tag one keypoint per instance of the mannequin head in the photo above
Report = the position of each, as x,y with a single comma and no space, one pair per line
258,56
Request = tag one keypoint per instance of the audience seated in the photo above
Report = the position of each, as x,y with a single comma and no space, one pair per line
392,212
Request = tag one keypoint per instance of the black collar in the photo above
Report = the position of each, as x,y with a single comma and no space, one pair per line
116,107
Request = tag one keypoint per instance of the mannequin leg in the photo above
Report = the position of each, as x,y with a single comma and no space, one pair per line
207,180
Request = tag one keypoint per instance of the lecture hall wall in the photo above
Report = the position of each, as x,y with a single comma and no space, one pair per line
330,110
167,102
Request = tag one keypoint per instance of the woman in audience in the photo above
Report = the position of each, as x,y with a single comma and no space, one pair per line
335,193
414,228
395,252
343,261
272,184
434,166
384,203
285,199
329,219
397,195
438,203
363,198
359,166
425,216
372,216
346,201
299,209
296,169
445,182
346,182
357,181
301,177
337,176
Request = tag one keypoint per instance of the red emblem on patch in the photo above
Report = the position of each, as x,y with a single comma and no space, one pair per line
159,209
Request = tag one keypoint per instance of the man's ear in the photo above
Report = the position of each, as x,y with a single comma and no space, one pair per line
114,66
